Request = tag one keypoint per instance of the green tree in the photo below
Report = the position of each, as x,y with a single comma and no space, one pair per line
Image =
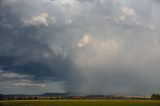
155,96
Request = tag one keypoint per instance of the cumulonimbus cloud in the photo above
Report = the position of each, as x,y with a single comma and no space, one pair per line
93,46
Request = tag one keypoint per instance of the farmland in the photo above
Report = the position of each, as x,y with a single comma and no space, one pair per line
80,103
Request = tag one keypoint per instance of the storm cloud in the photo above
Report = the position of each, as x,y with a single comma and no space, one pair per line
83,46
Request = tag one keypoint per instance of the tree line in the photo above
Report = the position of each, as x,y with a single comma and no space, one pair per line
155,96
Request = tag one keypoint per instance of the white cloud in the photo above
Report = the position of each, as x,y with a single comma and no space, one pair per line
128,11
26,86
120,2
67,4
69,21
85,40
29,84
127,15
13,75
41,19
98,51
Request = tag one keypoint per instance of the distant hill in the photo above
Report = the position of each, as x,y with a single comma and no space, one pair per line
55,94
58,96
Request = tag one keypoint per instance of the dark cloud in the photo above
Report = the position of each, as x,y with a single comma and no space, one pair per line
88,46
23,50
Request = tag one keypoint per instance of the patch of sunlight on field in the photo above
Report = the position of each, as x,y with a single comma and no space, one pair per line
80,103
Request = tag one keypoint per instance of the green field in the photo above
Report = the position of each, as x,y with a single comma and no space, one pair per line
80,103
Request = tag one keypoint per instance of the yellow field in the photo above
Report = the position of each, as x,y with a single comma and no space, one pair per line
80,103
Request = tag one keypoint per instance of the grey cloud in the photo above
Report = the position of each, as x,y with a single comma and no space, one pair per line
119,58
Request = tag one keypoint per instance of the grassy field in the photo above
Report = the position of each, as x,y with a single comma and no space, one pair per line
79,103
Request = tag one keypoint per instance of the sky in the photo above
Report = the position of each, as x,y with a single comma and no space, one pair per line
80,46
